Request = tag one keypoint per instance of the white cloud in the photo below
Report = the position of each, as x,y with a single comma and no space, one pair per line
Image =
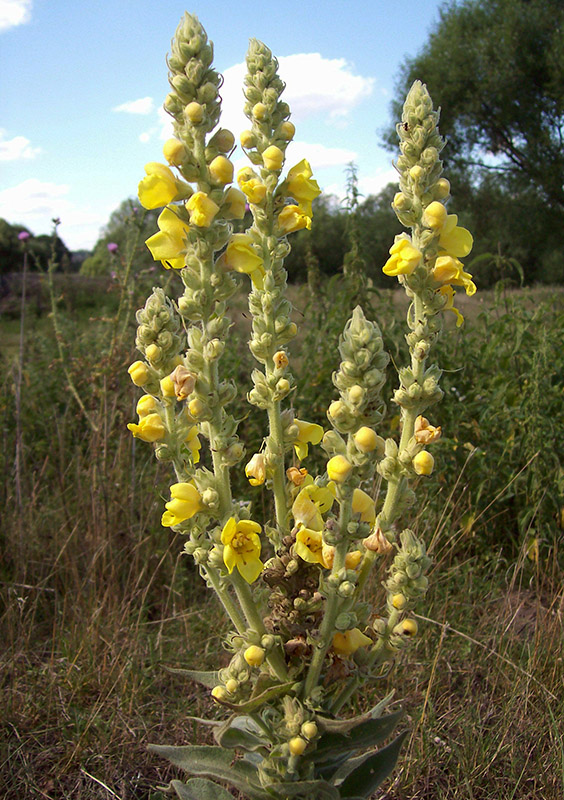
16,148
144,105
315,86
35,203
13,13
318,155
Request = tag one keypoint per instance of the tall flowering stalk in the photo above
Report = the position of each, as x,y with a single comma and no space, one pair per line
302,638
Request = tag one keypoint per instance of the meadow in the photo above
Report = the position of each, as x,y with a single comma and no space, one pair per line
96,599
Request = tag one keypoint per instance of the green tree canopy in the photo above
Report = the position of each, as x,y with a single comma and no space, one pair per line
496,69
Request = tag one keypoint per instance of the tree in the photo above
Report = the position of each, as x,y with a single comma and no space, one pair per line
128,227
495,67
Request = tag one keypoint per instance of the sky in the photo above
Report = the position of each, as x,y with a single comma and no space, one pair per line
82,86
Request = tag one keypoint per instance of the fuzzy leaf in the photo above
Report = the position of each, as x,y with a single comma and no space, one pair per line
209,679
239,732
216,763
345,725
200,789
371,771
367,733
256,702
313,790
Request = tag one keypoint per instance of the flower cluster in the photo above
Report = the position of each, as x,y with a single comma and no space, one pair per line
303,638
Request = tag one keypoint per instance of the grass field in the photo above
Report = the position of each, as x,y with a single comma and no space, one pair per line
96,600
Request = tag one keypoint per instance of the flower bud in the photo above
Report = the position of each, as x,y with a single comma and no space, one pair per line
174,152
309,730
223,140
247,139
287,130
442,189
167,386
338,469
297,745
219,693
221,170
366,439
153,352
139,373
194,112
273,158
423,463
259,111
232,685
407,627
434,216
146,405
254,655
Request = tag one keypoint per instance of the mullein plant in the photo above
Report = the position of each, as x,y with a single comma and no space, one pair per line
302,639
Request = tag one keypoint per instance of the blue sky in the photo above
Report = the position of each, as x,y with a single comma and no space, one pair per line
82,86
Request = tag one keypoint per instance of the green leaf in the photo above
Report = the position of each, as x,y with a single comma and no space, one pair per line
258,701
200,789
345,725
240,732
209,679
313,790
372,771
367,733
214,762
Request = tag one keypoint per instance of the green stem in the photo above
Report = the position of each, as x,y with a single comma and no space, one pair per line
327,628
233,612
255,621
278,472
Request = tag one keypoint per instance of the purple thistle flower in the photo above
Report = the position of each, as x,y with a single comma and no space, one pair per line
112,247
23,235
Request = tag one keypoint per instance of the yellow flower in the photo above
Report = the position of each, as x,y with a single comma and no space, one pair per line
273,158
150,428
167,245
253,188
309,546
347,643
256,470
241,256
202,209
311,502
455,240
363,504
159,187
448,292
434,216
221,170
301,187
449,269
139,373
241,548
423,463
352,559
186,501
338,469
292,219
425,433
194,444
404,258
308,433
234,203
